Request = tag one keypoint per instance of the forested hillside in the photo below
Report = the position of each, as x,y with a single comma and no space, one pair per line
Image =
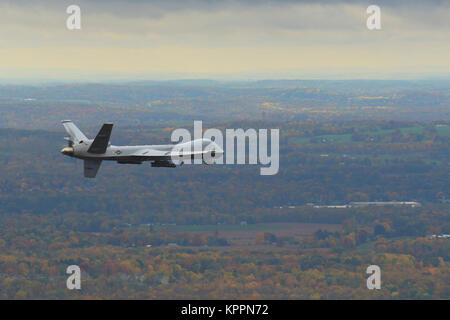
224,231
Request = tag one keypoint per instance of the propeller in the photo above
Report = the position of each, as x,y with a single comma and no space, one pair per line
69,141
70,144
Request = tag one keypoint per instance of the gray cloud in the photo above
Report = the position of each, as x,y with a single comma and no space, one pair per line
226,22
156,9
318,32
133,6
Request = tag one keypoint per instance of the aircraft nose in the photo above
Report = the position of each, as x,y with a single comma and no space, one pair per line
67,151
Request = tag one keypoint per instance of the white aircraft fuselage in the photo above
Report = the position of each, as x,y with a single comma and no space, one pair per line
94,151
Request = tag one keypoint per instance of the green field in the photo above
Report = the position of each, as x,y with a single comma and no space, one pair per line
347,137
220,227
443,130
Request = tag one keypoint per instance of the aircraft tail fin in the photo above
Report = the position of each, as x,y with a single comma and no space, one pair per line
75,134
101,141
91,167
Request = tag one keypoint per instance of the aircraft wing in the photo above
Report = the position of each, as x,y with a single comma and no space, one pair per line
177,153
165,155
151,154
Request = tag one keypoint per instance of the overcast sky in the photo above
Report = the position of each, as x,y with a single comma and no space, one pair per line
224,39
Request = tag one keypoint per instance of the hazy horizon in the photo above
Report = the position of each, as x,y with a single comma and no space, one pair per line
200,80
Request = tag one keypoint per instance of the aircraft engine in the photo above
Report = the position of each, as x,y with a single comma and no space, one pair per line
129,162
163,164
